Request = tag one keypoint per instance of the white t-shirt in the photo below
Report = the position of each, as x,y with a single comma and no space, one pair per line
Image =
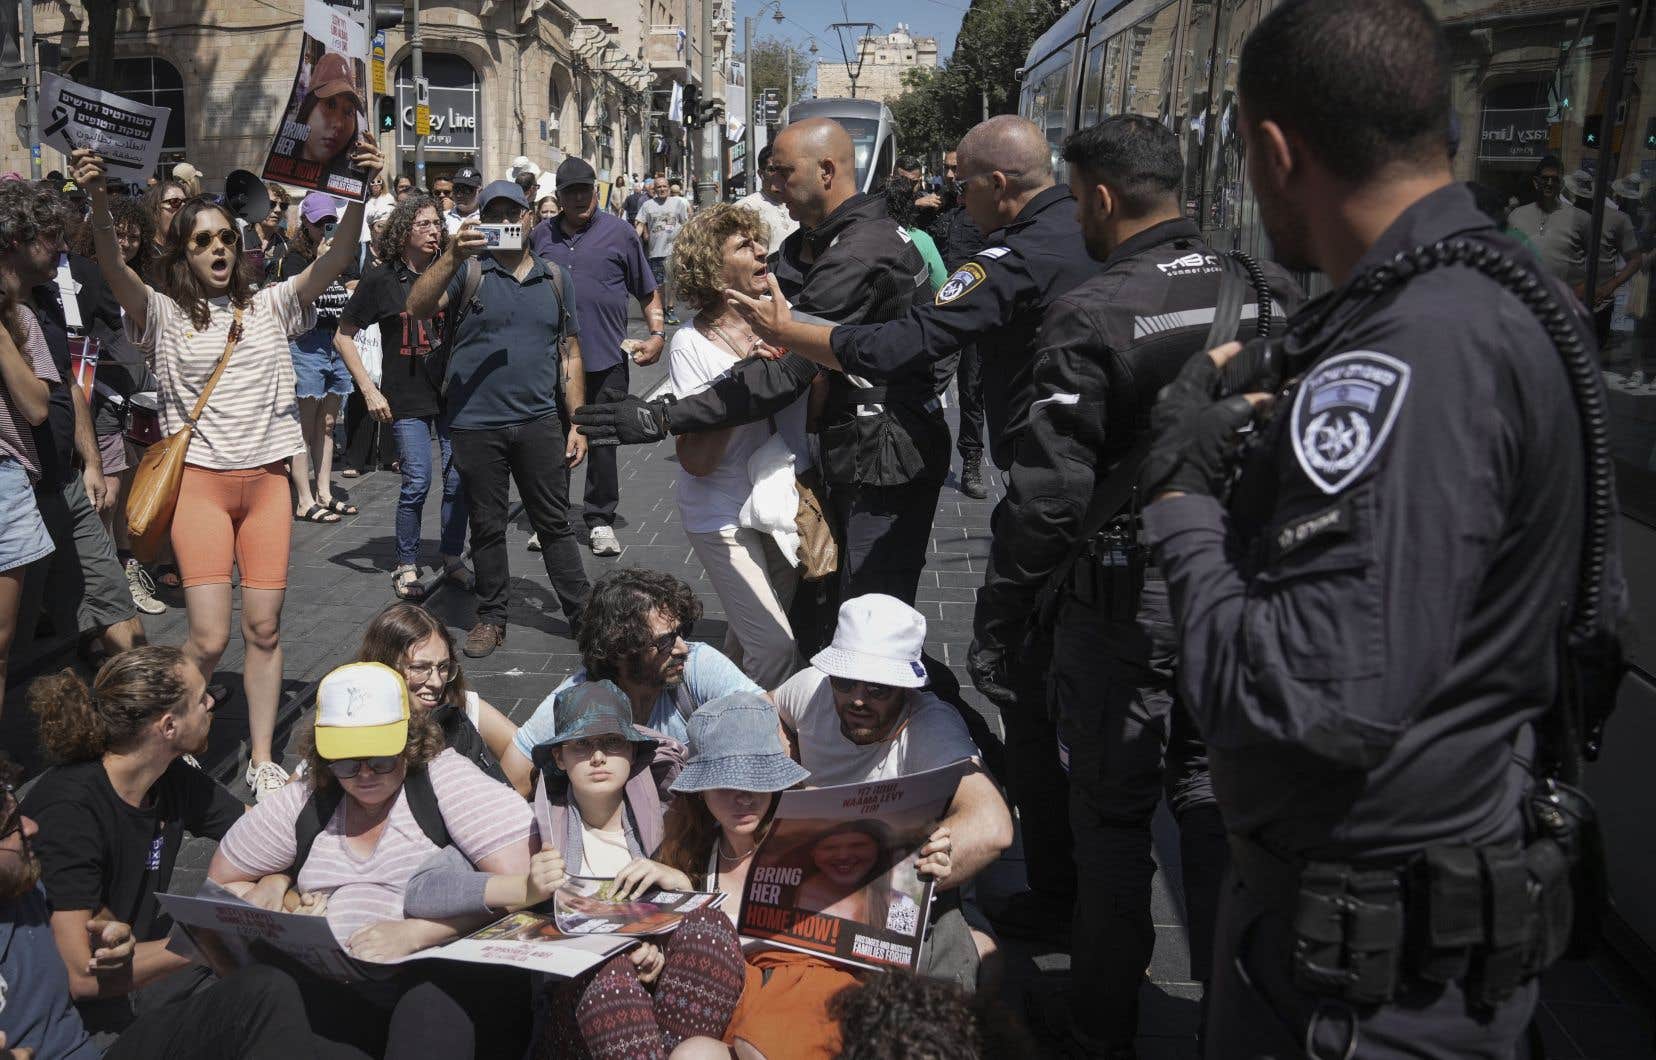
711,503
933,735
603,853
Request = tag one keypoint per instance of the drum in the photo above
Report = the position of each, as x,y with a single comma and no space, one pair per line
144,418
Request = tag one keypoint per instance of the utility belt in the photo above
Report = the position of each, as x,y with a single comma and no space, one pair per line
1109,571
922,396
1490,918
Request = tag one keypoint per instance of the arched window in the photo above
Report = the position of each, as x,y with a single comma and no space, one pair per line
153,82
456,103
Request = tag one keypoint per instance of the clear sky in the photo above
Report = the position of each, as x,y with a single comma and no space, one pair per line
805,18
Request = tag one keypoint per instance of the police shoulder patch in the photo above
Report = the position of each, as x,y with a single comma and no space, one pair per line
1343,412
964,279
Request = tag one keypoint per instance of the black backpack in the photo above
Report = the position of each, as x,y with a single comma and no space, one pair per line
319,809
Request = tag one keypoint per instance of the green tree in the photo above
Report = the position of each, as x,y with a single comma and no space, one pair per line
769,68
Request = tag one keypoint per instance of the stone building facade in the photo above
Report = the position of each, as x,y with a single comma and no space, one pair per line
885,59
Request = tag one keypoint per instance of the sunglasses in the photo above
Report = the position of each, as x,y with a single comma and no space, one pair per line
848,685
346,768
613,745
226,238
667,641
173,204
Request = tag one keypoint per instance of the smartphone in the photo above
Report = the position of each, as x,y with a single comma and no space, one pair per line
503,237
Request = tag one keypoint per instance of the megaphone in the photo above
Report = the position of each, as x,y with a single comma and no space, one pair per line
246,196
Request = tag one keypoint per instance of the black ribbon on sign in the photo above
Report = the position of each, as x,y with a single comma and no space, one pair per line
60,118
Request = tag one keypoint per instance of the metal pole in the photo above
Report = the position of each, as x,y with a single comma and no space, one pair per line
752,91
419,72
787,89
31,88
707,180
1607,145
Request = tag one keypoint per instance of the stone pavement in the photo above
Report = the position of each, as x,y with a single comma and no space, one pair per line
340,578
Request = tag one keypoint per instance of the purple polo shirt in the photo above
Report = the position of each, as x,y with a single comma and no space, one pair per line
608,263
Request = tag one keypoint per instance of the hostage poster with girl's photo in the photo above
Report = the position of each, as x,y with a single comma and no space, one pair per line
327,111
835,875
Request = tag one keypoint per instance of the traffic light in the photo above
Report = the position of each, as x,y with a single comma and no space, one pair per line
387,14
692,104
1591,131
707,112
1650,135
773,107
387,114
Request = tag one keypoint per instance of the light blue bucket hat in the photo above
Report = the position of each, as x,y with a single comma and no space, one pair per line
734,744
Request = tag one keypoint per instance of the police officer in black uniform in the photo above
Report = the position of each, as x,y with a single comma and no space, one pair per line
1370,632
997,300
1066,538
958,240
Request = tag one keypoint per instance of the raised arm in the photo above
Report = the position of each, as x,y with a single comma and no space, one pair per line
342,248
130,289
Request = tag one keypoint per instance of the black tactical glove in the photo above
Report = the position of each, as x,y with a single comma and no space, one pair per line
630,421
1195,447
987,666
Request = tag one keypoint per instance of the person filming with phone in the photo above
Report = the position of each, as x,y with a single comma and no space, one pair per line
511,330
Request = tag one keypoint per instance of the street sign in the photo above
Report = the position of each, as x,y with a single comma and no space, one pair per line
379,63
422,107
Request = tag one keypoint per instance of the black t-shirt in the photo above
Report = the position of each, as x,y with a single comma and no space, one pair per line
97,851
332,299
121,366
380,299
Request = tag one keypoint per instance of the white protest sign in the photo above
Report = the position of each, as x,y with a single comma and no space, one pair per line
127,135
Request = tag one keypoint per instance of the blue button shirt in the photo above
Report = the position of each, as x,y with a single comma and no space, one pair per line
505,367
37,1012
608,263
708,674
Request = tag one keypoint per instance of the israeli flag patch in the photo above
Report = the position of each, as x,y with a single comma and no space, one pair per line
1343,413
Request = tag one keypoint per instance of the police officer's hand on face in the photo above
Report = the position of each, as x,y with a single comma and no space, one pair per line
768,317
630,421
1195,446
987,666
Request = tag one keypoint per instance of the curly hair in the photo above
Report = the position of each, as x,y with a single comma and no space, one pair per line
27,213
615,620
425,742
400,225
899,1015
79,724
126,212
697,263
178,280
394,632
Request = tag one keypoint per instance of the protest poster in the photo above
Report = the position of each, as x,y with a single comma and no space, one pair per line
532,940
125,134
835,875
228,933
327,110
583,906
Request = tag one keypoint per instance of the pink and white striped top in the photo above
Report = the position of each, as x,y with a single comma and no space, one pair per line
482,816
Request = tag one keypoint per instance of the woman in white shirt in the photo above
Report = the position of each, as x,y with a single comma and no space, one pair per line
724,247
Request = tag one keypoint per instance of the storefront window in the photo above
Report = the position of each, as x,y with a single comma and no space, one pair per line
153,82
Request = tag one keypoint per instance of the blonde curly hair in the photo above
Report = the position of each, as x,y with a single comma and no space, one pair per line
697,264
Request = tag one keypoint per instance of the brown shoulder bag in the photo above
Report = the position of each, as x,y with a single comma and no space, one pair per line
155,484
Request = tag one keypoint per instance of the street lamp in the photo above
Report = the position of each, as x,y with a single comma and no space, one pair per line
750,162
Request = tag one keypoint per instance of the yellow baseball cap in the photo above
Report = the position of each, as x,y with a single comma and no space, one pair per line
361,712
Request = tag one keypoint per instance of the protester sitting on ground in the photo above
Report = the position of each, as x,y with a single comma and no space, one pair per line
25,369
321,380
860,713
113,812
635,631
410,640
121,372
256,1014
724,247
897,1016
405,397
386,795
162,202
845,872
233,502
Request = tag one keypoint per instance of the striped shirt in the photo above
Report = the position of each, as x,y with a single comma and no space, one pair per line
482,816
252,418
16,433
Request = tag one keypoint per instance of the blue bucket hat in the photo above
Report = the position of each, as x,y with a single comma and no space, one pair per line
734,744
591,708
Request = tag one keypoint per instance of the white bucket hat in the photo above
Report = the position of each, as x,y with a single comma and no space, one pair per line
878,639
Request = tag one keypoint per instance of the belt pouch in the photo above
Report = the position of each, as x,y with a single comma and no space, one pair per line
1374,936
1502,967
1320,929
1454,912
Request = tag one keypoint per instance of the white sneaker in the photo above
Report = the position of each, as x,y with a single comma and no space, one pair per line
265,778
534,543
142,587
603,542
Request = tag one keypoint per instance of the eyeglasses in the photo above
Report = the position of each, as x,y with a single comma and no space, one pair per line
346,768
425,226
420,672
612,744
665,643
228,239
848,685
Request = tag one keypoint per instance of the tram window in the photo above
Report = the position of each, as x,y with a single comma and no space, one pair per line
1229,205
1192,100
1101,88
1150,65
1047,105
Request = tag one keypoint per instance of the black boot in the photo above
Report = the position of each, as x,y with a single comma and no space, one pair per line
971,476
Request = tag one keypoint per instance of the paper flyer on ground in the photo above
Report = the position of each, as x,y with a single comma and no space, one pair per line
583,906
835,876
125,134
327,111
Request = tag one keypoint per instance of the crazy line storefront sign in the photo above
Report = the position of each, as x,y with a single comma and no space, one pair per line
1513,134
454,97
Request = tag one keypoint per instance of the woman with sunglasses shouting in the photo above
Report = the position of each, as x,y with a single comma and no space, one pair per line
233,504
382,795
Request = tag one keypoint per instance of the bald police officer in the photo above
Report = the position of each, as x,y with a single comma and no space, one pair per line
1370,628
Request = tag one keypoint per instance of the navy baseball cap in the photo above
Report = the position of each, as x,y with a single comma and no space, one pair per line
469,177
501,189
573,171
